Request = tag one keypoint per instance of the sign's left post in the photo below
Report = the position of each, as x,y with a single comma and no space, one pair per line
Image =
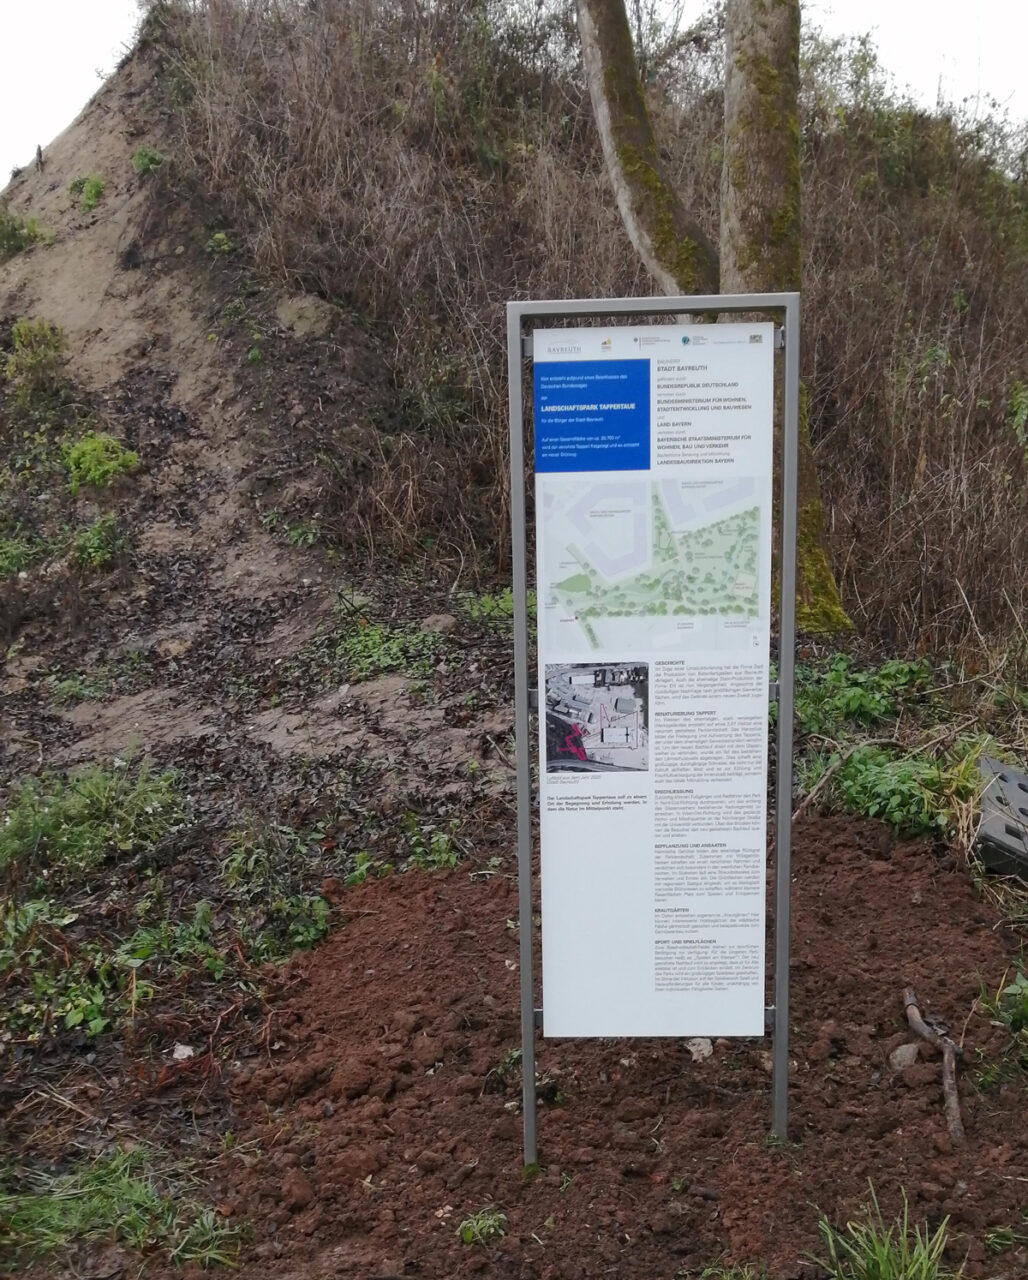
519,565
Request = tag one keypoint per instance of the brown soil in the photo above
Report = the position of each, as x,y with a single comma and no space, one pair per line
382,1118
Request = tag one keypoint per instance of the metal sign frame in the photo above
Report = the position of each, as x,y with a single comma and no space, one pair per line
518,351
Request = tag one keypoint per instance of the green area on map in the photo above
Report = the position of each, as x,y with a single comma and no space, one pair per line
712,569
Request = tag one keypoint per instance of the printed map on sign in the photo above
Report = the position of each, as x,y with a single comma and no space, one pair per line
653,552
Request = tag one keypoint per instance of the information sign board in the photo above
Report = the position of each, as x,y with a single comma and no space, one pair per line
653,465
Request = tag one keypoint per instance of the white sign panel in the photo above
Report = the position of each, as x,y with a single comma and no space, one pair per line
653,448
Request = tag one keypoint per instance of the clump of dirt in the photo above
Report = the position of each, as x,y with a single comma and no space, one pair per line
391,1092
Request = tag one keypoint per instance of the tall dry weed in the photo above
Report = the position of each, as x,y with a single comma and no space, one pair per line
425,163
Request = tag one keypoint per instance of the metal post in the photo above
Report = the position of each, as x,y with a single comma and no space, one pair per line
786,665
519,566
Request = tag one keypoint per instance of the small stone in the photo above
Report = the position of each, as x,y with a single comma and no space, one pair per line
700,1048
904,1056
442,622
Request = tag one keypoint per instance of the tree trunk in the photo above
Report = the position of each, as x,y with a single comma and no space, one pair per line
673,248
760,234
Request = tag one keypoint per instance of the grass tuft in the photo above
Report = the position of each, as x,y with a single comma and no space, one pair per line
486,1224
146,160
89,189
97,546
872,1250
17,233
62,830
123,1196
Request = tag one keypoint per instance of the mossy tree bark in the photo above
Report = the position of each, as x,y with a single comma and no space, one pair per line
673,248
760,233
760,227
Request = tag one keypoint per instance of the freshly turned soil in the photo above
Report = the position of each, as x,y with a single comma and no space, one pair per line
384,1118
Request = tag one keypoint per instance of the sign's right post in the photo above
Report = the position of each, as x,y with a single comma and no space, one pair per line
786,663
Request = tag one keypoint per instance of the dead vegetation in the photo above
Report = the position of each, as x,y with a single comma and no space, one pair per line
423,166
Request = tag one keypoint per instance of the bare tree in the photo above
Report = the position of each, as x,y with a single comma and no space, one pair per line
673,248
760,228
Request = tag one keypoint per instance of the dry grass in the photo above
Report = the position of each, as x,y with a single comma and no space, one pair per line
425,164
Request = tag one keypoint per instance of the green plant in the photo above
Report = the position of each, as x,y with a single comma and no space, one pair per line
49,981
17,233
1017,413
266,868
65,828
146,160
185,945
365,865
1010,1003
123,675
487,607
74,689
35,366
999,1239
17,553
304,534
840,695
136,1197
914,792
430,850
488,1223
219,243
508,1068
96,459
370,649
89,189
96,546
1013,1003
871,1250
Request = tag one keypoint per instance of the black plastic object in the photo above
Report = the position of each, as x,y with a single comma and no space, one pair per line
1002,842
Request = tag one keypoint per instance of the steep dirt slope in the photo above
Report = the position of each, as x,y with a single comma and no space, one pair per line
122,281
143,307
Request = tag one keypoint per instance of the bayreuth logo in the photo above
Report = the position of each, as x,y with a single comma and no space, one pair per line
566,349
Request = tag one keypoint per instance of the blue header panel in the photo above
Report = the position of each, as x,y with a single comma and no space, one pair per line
592,415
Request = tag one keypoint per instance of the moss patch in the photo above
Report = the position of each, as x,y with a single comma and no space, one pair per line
819,610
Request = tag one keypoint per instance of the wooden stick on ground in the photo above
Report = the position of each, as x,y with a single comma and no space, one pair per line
949,1052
